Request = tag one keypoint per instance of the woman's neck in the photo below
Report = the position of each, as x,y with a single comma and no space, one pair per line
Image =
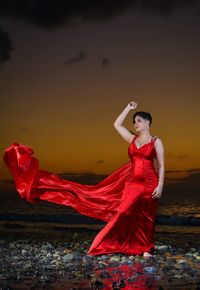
144,135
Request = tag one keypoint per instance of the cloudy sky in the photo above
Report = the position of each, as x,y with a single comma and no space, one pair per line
67,70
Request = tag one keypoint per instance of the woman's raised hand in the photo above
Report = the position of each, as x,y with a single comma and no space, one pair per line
132,105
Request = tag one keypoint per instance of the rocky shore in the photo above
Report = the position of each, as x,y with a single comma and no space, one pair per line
53,264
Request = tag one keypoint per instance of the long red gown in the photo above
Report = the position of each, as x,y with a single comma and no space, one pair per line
123,199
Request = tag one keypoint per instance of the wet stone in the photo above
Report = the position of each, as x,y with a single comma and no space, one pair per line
68,257
162,248
104,257
115,259
182,262
24,252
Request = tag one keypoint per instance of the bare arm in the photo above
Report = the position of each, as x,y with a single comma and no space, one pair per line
128,136
160,165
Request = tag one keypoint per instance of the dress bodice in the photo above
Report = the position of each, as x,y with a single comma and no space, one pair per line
142,160
146,151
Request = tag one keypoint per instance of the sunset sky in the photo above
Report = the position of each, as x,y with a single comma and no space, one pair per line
66,83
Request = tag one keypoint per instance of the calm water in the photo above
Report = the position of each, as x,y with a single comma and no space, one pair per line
17,205
18,215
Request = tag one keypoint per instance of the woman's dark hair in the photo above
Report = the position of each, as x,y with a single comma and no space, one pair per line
144,115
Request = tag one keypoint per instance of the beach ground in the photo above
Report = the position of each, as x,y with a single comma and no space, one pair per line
43,262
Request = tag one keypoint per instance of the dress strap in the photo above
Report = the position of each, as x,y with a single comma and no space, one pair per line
154,138
135,136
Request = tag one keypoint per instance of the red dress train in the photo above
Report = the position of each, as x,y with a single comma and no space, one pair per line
123,199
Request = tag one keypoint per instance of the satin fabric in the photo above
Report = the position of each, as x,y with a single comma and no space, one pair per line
123,199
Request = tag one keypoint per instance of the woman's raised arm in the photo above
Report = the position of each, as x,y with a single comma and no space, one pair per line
125,133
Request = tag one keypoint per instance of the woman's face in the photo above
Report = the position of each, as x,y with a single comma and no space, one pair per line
140,124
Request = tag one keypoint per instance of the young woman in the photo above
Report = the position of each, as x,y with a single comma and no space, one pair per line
127,199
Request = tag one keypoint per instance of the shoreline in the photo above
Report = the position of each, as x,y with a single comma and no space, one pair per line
77,219
47,262
61,231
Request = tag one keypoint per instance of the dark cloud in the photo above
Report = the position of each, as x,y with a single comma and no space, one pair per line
5,46
105,62
193,177
7,185
53,13
82,177
168,154
100,161
173,171
194,170
182,156
179,156
185,189
8,78
183,170
56,13
24,130
79,57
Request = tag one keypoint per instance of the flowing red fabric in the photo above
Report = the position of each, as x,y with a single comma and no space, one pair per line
123,199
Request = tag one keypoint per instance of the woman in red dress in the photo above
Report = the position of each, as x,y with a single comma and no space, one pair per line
127,199
131,230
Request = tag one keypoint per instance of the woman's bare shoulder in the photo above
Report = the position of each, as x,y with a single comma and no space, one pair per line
157,140
132,137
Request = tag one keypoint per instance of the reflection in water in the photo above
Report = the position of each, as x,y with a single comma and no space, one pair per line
130,275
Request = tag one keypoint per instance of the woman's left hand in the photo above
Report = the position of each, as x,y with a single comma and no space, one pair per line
157,193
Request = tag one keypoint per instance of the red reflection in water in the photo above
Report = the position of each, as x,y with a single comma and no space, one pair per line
127,277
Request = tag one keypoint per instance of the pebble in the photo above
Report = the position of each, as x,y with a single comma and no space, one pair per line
104,257
150,269
182,262
68,257
115,259
24,252
163,248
